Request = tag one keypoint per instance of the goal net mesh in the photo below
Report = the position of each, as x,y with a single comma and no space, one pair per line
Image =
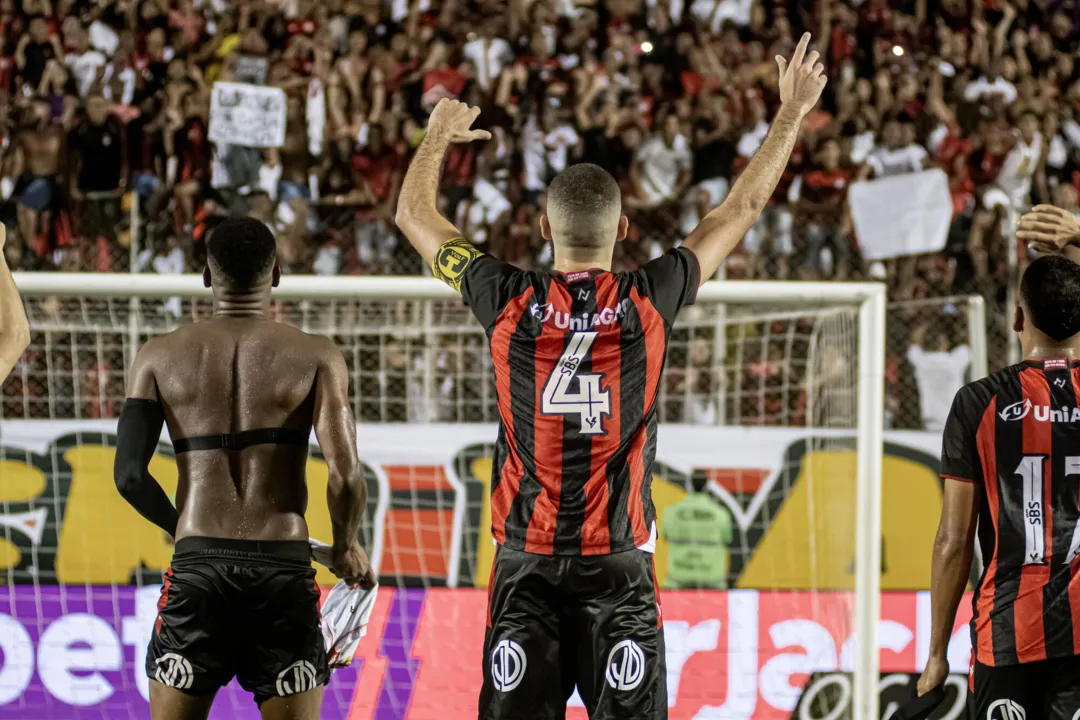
757,405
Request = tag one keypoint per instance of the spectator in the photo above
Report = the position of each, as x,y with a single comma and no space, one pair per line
821,210
939,373
896,155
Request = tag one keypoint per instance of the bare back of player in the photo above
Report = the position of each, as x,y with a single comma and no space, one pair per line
240,394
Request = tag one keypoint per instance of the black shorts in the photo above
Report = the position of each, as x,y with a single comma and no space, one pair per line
557,622
1046,690
239,608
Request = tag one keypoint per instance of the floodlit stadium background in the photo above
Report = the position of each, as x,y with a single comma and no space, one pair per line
759,399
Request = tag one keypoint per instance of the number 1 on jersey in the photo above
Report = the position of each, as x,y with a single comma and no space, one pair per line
590,402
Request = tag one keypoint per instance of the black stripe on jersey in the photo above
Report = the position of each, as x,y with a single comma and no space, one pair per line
632,372
522,357
1057,612
1009,447
576,448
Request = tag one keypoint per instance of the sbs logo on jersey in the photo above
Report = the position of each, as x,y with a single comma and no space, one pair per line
1006,710
508,664
174,671
625,665
297,678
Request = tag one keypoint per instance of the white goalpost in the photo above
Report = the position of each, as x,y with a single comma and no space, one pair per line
822,342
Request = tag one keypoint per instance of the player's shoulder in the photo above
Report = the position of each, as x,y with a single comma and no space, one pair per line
975,397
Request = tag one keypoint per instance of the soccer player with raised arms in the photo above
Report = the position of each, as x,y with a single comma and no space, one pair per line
578,356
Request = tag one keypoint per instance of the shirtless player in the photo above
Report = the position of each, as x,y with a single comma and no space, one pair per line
240,394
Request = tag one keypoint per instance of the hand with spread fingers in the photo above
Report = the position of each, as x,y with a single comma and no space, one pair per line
1050,230
454,119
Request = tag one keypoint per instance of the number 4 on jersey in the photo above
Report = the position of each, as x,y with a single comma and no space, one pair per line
590,402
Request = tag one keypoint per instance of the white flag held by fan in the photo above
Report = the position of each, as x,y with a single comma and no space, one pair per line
247,115
345,613
902,215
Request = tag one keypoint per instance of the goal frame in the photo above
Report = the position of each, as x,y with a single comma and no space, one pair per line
869,298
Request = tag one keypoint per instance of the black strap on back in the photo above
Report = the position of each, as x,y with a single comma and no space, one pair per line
241,440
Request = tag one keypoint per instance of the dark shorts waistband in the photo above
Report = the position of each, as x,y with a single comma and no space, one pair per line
298,551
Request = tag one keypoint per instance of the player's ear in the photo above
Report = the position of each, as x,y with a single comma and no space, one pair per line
624,227
1018,319
206,276
275,275
545,227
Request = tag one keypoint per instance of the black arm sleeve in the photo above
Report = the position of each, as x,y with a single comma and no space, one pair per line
486,283
671,282
959,443
136,441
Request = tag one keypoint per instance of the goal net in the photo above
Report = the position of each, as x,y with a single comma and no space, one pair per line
767,485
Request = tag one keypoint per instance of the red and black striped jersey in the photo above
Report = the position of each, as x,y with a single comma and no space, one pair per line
1017,435
577,360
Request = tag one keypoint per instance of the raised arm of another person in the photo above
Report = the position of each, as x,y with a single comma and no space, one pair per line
1050,230
801,82
14,329
417,211
346,491
137,436
954,546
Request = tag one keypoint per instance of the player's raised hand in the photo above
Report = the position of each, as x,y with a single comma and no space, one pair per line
454,119
351,564
802,78
1048,229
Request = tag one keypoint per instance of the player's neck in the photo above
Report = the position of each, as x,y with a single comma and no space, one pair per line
228,303
1039,351
567,264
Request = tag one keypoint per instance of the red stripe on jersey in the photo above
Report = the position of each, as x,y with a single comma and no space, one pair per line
595,533
634,507
652,326
1074,586
984,440
1028,608
547,432
512,470
163,599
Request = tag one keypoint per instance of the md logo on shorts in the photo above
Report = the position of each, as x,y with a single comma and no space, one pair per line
297,678
625,665
174,671
508,664
1006,710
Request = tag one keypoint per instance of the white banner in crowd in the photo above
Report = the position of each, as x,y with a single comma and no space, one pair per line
902,215
247,115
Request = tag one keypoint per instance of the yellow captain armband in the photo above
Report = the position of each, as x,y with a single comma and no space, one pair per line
452,259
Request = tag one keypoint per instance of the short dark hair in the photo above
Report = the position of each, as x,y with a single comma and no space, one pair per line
584,195
241,251
1050,290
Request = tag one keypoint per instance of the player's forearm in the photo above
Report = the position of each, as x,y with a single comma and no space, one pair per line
722,229
137,435
758,181
417,210
346,496
148,498
949,570
14,328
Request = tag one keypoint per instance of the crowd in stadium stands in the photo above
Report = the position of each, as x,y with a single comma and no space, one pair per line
105,100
